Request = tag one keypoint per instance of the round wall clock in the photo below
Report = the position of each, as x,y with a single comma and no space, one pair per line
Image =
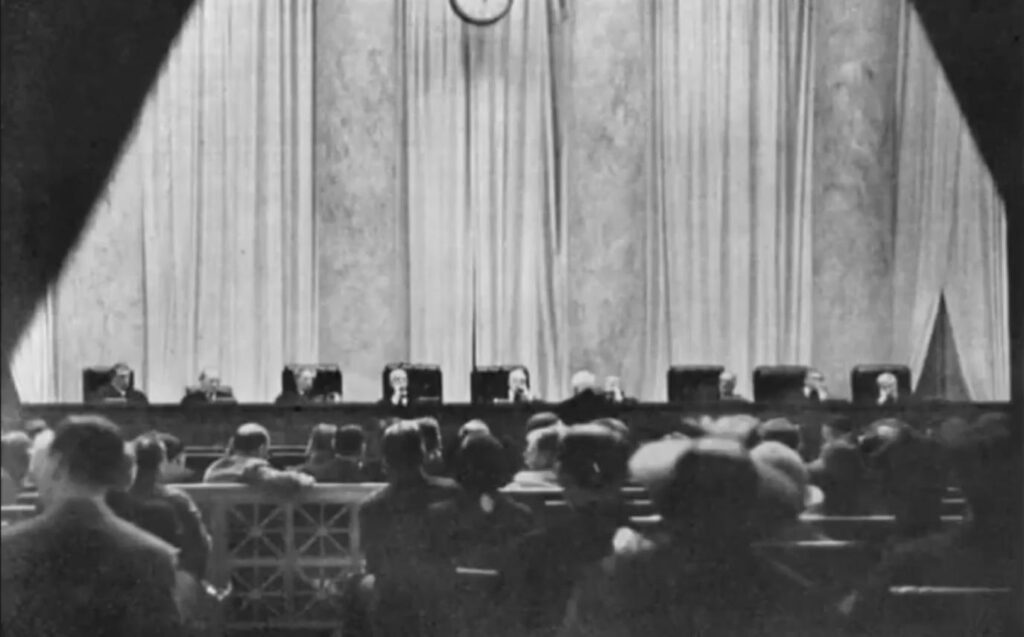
481,12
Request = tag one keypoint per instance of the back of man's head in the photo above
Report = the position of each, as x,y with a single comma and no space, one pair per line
402,447
321,439
706,488
781,430
250,439
172,446
16,446
541,420
150,454
91,452
350,440
593,456
430,430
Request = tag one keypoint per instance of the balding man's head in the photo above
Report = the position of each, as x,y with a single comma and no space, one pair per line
251,439
209,379
583,380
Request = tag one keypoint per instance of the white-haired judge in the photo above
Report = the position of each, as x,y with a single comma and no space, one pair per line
519,386
888,389
583,381
398,382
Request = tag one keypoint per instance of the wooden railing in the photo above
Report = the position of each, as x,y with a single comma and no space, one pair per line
287,561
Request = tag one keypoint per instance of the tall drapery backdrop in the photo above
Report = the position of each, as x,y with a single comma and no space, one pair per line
950,227
201,253
618,188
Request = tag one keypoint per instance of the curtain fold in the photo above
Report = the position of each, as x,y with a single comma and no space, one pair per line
215,188
484,198
728,275
951,227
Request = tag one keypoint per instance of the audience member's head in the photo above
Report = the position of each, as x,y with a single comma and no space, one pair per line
882,433
402,449
781,430
37,454
726,384
786,489
592,464
541,420
986,462
430,429
121,377
542,448
174,468
321,440
617,427
480,464
350,441
16,454
583,381
209,380
86,458
251,439
35,426
838,428
304,379
705,489
472,428
740,427
150,458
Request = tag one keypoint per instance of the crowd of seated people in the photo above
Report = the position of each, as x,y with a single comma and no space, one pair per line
721,488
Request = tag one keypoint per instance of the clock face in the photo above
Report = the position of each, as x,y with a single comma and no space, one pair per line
481,12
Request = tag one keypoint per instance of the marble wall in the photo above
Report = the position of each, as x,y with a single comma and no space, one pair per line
607,134
361,243
853,229
361,246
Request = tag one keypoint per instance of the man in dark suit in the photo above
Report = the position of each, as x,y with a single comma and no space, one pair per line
394,530
77,569
586,403
208,391
120,389
814,390
303,394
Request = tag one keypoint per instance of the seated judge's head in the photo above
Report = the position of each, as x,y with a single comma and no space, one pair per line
304,379
251,440
121,378
518,379
886,383
613,384
726,384
209,380
583,381
85,458
399,379
814,380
